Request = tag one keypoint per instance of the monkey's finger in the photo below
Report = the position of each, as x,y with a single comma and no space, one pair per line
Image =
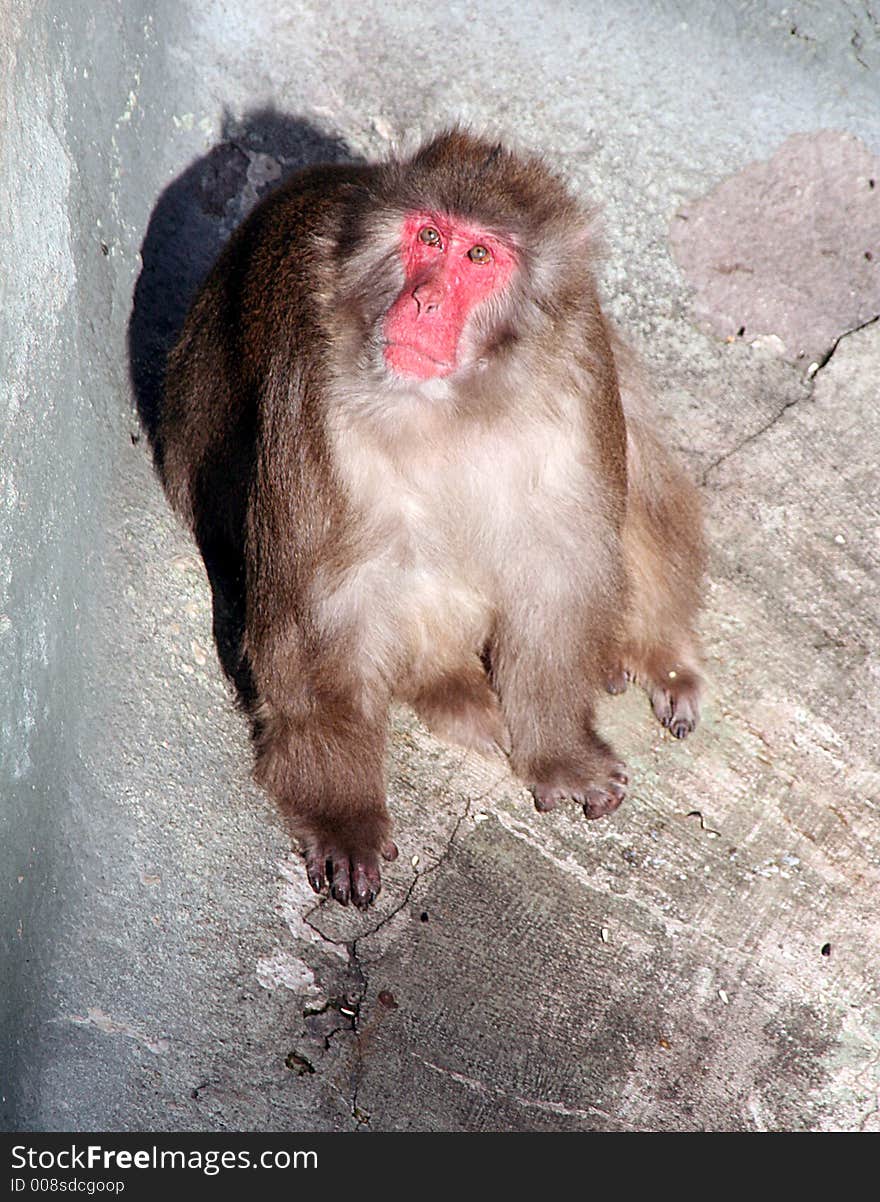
684,717
341,886
389,851
546,798
315,873
663,705
599,802
616,681
365,883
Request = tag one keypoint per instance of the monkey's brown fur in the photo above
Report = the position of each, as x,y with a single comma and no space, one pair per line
493,548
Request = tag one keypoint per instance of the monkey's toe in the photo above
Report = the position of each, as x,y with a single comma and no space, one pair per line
315,873
681,727
600,800
365,884
340,879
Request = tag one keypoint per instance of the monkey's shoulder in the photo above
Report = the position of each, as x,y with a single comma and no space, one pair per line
306,204
263,284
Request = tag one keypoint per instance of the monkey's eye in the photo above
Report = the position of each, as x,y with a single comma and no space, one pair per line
429,235
479,254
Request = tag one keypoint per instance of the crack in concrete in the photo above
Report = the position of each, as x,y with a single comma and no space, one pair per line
837,341
339,1006
802,37
856,40
420,876
362,1119
750,438
807,383
417,876
307,920
559,1108
355,1001
857,43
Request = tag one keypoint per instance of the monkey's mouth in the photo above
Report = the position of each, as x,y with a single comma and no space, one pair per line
404,359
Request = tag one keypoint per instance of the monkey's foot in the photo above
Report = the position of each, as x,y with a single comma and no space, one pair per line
350,874
599,784
462,708
675,700
674,689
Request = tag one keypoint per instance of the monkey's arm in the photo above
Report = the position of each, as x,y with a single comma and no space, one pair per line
559,628
320,735
548,660
665,554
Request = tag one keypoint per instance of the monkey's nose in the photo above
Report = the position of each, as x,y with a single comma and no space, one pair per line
427,297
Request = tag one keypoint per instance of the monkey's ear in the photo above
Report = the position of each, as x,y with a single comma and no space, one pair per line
564,255
585,232
368,269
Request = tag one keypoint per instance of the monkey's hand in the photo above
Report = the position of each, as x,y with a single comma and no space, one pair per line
595,779
344,856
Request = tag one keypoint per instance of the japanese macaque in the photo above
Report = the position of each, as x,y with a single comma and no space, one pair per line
400,425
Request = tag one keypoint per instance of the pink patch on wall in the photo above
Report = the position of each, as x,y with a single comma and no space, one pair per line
789,246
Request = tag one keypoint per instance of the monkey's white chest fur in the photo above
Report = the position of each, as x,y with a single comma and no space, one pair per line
441,539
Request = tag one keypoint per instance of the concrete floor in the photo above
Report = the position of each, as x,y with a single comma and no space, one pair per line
706,959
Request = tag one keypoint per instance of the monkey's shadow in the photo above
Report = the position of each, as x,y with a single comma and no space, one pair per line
192,220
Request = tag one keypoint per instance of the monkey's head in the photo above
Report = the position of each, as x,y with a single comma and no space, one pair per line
459,253
450,266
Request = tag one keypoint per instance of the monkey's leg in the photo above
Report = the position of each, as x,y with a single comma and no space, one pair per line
324,766
547,681
660,649
460,706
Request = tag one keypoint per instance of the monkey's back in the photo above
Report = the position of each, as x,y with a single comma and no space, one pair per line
257,307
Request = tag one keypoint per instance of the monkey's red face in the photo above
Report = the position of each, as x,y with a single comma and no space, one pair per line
449,268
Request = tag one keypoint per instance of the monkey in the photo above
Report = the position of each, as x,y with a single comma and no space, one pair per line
410,443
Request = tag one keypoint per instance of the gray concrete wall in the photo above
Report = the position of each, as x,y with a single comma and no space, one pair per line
72,200
163,964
